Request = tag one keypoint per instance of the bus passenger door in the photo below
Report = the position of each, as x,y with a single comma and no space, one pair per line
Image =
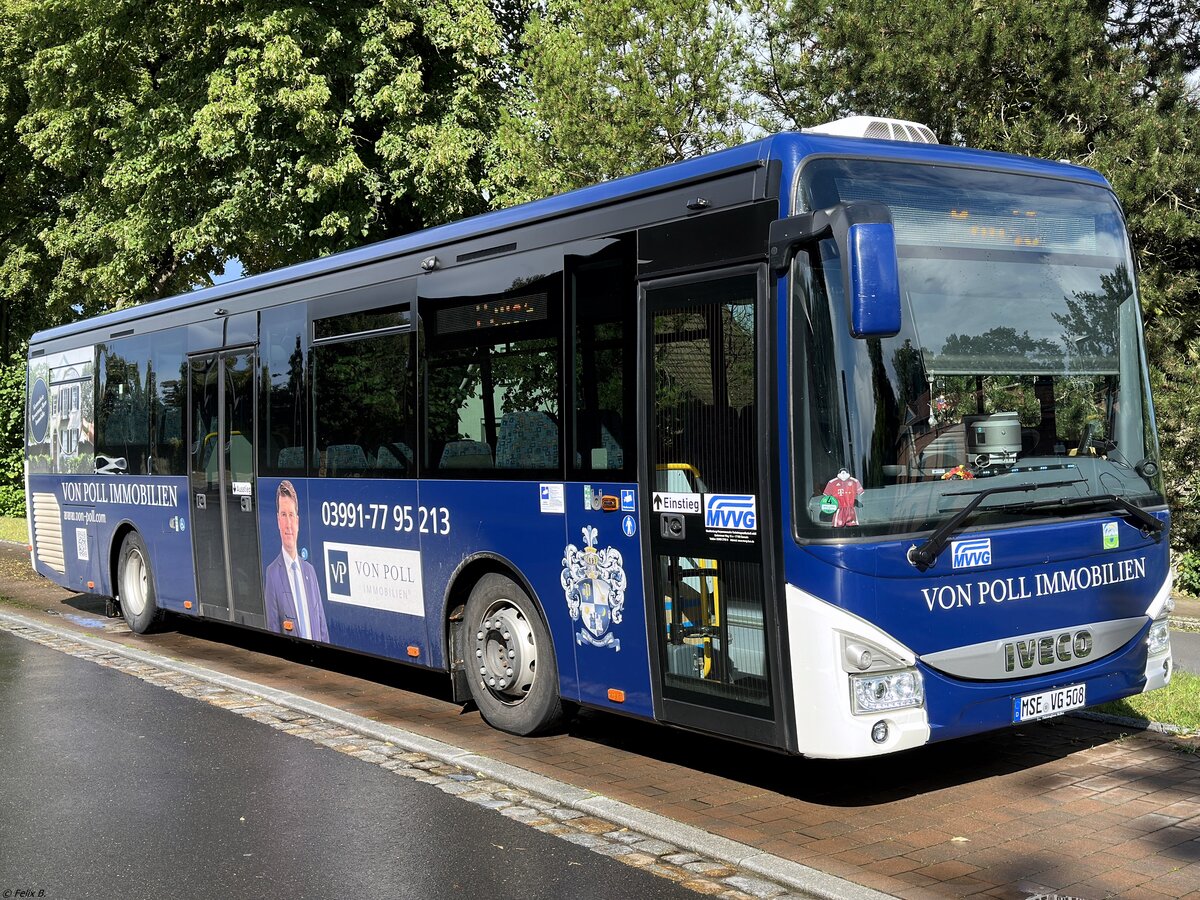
706,526
224,522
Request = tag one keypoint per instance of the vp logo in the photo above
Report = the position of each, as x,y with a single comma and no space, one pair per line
971,553
338,562
730,511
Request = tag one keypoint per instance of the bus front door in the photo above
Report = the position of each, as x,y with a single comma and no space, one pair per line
706,528
224,516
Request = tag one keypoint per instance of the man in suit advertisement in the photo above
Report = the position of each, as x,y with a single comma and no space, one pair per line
293,596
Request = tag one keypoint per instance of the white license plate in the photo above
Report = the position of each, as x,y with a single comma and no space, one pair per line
1049,703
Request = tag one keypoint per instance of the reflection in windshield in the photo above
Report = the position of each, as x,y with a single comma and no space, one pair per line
1020,351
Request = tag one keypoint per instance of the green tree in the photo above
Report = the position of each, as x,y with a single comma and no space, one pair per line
27,207
145,145
164,139
610,87
12,434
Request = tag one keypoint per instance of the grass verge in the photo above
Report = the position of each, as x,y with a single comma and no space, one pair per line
1176,704
12,529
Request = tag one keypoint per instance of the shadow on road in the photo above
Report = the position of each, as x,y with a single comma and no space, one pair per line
839,783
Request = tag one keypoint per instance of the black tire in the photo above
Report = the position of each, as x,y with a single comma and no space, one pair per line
510,659
135,586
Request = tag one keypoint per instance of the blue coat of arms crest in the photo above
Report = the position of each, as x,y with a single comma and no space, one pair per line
593,582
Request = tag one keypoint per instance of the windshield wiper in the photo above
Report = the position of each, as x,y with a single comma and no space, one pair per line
924,556
1149,524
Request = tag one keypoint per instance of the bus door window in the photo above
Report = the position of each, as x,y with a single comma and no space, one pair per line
207,524
222,488
239,417
205,412
709,579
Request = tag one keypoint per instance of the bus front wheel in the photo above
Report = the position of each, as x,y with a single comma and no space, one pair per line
135,586
510,659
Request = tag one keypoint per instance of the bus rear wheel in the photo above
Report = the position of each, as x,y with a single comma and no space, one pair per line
510,659
135,586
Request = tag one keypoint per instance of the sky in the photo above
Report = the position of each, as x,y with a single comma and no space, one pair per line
233,271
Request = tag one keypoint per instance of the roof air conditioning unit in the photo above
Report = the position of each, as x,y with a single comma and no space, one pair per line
878,128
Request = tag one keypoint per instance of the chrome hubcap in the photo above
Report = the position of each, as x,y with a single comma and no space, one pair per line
135,585
505,652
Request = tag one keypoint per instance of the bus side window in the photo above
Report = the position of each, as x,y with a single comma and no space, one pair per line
493,407
283,386
123,410
168,398
363,406
492,368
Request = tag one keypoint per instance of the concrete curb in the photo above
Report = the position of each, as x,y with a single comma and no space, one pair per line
1182,623
1139,724
803,879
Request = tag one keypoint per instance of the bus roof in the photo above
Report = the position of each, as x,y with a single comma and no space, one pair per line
790,148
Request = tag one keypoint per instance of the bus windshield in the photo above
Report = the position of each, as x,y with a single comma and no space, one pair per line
1019,357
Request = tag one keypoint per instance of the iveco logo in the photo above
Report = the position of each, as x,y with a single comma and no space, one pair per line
1047,649
971,553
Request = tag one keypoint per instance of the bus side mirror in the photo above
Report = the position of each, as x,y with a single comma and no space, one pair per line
866,244
872,277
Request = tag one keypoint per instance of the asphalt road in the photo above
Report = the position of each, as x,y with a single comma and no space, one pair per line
1185,648
113,787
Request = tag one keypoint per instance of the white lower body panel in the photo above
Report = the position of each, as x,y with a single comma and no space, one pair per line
825,725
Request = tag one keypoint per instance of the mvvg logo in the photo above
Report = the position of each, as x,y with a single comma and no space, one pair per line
339,571
730,511
971,553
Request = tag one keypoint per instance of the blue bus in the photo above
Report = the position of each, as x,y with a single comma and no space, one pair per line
839,442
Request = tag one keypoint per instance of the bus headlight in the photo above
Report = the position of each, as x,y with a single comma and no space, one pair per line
888,690
1159,639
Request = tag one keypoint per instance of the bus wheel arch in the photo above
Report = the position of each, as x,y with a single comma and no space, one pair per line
114,556
133,582
499,632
